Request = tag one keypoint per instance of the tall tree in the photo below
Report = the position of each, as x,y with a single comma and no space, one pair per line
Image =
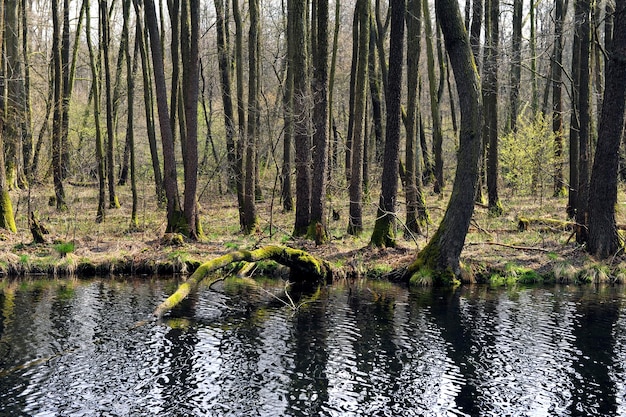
319,88
223,54
249,209
148,99
241,111
557,99
15,128
516,61
190,39
7,220
57,128
490,100
108,90
441,254
416,214
175,217
434,102
604,240
574,126
583,27
384,229
355,221
95,87
301,116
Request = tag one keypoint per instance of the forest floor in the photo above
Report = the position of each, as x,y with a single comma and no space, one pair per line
495,248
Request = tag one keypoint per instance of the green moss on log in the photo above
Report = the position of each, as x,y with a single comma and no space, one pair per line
305,268
7,221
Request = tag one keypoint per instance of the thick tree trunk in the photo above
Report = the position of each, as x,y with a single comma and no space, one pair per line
603,238
384,234
441,254
320,126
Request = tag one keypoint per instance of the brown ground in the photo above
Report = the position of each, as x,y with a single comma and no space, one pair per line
110,247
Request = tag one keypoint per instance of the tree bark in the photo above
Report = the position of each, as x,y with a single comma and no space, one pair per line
320,125
516,62
131,73
557,100
95,86
384,234
441,254
355,221
57,128
490,100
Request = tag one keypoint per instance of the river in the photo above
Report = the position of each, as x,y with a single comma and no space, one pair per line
83,348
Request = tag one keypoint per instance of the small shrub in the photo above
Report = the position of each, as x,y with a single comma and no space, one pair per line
63,248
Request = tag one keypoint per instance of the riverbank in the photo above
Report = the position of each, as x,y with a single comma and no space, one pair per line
496,251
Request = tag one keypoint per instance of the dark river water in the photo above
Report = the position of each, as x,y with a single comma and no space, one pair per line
73,348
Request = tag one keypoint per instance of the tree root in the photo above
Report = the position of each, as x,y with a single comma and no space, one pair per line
305,269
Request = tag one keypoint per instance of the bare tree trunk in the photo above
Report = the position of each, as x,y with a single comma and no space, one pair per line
582,19
95,85
301,115
490,100
375,95
557,100
57,128
516,63
384,234
603,238
250,215
148,105
355,222
131,73
434,103
175,218
317,228
27,130
241,112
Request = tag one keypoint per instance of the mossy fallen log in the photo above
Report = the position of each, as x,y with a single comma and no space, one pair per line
305,269
524,223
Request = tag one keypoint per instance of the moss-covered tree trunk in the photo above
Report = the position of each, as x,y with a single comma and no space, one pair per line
305,268
384,234
441,254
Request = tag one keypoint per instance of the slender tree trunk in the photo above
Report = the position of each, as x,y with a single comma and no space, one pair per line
175,218
27,130
95,86
375,94
490,100
355,222
7,220
352,95
557,100
384,234
333,145
317,228
66,91
583,16
131,73
441,254
148,105
574,143
57,129
250,214
434,104
603,238
516,63
241,112
286,193
190,35
110,147
223,53
416,213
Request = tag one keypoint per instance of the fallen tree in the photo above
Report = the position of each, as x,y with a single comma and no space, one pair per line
304,269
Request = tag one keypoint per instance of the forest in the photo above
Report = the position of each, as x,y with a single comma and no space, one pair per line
381,139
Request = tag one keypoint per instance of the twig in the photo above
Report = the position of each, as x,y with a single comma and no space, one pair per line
528,248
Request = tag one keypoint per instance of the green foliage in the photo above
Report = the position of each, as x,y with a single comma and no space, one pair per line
63,248
527,156
522,274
